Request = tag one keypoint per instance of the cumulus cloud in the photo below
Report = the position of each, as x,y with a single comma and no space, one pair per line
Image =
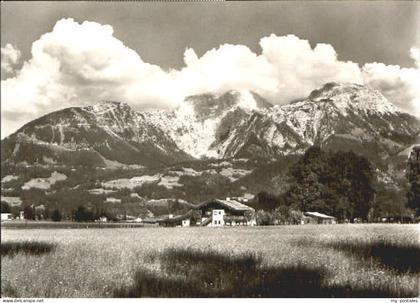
10,56
227,67
80,64
299,69
399,84
288,68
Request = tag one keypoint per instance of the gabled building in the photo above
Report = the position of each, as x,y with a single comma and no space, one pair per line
214,213
313,217
6,217
225,213
180,220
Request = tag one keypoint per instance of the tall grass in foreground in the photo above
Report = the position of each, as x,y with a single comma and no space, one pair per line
209,274
89,263
26,247
401,257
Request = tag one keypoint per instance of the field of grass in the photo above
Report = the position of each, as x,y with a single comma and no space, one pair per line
284,261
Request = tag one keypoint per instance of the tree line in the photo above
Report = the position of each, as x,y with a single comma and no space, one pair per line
80,214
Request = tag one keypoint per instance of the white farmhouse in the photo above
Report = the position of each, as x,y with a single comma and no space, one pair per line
6,217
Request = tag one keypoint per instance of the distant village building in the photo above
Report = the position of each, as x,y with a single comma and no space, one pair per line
103,219
112,200
244,199
397,219
173,221
186,222
6,217
317,218
214,213
151,221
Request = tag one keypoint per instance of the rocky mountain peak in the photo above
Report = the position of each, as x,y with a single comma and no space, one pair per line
106,106
211,105
350,97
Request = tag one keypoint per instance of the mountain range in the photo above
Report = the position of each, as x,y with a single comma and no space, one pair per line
232,144
234,124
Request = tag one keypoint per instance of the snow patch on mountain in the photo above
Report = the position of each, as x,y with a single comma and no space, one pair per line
193,125
247,101
350,96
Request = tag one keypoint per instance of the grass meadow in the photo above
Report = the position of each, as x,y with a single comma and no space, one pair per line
373,260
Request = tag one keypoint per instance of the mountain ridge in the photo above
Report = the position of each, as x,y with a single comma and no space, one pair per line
233,124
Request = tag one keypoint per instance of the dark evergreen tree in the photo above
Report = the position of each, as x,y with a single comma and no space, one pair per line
5,207
28,213
56,215
83,215
266,201
413,196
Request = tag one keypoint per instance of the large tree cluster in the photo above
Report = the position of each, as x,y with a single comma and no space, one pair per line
340,184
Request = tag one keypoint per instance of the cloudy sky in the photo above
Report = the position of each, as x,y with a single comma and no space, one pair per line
153,54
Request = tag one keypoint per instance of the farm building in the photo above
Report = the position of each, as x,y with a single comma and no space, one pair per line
112,200
180,220
317,218
6,216
214,213
397,219
225,212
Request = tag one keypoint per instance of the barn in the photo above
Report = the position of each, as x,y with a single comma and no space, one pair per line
318,218
173,221
227,212
214,213
6,216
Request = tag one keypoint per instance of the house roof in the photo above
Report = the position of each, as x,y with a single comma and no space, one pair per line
150,220
318,215
176,218
231,204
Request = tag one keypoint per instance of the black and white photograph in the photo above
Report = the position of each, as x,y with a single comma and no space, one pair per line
210,149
